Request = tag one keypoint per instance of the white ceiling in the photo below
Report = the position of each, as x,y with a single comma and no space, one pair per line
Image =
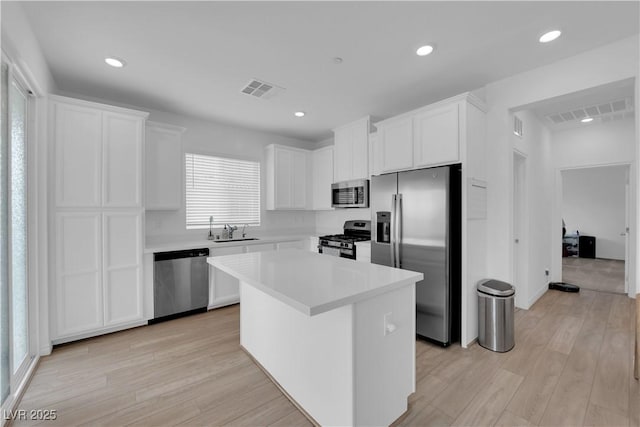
193,58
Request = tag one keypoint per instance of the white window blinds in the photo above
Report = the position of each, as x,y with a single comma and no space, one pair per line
227,189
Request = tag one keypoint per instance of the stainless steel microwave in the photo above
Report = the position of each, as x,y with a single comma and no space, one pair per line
350,194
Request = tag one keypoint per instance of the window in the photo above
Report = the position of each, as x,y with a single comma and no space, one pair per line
226,189
14,303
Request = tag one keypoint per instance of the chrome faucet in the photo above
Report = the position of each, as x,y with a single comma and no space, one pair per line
230,230
243,233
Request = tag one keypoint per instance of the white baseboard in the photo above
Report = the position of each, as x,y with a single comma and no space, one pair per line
537,295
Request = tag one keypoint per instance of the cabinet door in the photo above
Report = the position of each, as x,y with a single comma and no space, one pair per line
322,177
360,150
283,185
224,289
342,155
163,168
78,153
375,154
78,287
397,145
298,180
436,137
122,160
122,267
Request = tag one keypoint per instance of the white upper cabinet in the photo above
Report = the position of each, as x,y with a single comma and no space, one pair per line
98,154
426,137
322,170
351,151
375,154
286,173
396,145
122,162
164,165
436,136
78,155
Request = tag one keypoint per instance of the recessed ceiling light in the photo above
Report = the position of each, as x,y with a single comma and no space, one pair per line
550,36
299,113
424,50
337,60
587,120
115,62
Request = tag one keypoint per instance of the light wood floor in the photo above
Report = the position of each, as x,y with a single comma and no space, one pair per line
571,366
596,274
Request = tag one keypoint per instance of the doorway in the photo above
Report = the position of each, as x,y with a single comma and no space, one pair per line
595,213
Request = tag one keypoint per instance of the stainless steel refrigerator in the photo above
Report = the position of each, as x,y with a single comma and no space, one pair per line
416,226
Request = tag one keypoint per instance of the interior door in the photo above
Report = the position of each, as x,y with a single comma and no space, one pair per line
383,187
424,246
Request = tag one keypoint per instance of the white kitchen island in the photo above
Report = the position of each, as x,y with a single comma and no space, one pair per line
336,335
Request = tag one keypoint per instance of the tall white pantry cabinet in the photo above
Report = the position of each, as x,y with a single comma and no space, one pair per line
98,211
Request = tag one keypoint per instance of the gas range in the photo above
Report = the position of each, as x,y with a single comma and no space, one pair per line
344,245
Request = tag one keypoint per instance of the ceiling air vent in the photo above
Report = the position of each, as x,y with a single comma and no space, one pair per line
607,112
517,126
261,89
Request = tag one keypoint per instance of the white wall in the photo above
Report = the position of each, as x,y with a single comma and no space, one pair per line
535,145
593,202
331,222
594,144
607,64
208,137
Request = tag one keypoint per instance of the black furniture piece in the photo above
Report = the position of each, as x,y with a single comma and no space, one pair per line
587,247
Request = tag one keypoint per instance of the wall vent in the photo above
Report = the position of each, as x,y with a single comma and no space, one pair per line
261,89
607,112
517,126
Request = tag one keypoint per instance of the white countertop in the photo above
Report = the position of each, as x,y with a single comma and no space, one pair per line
313,283
164,245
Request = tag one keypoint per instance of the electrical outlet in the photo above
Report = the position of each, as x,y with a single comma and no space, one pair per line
389,327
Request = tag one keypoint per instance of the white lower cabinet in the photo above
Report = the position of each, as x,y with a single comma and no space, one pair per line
98,272
363,251
78,287
223,289
122,267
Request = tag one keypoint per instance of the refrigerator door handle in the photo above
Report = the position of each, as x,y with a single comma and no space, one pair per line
398,227
392,243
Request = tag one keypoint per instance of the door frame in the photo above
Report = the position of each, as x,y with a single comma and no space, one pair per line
35,216
519,226
629,209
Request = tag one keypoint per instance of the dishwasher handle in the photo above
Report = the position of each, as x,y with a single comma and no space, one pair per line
189,253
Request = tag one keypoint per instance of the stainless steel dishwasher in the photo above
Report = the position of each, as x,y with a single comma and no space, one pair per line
180,283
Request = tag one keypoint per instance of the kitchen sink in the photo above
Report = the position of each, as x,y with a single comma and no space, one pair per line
235,240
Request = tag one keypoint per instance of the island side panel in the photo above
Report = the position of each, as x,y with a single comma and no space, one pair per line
384,360
311,357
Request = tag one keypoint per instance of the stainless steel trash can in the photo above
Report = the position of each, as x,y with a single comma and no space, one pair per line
495,315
